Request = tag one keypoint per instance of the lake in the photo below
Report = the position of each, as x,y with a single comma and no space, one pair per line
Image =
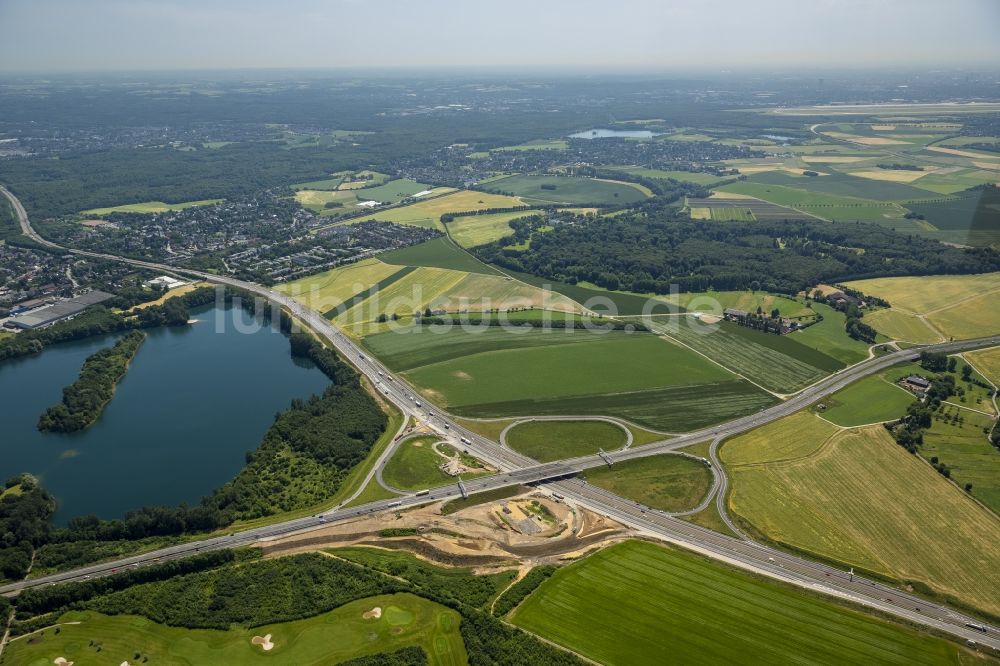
194,401
612,134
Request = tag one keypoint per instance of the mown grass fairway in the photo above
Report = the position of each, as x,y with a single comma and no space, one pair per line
328,638
873,399
428,212
857,497
667,482
415,466
555,440
569,190
473,230
637,603
959,306
611,363
148,207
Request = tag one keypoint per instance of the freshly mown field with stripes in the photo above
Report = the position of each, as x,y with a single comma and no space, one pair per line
343,634
637,603
775,362
856,497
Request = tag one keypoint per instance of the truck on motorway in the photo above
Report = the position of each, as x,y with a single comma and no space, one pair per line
421,493
393,505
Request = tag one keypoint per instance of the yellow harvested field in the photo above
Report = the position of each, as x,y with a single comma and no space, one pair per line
831,159
729,195
327,290
883,128
987,362
861,499
750,169
866,140
701,213
989,166
962,153
428,212
891,175
354,185
923,294
900,325
580,211
781,440
473,230
974,318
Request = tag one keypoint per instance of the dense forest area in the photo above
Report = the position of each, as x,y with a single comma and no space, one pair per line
653,248
85,399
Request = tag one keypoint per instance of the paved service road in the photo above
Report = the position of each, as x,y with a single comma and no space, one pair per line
519,469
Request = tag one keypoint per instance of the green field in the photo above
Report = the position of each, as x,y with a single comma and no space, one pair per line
569,190
666,482
415,466
717,301
841,184
858,498
537,144
587,364
776,362
148,207
438,253
828,206
963,447
672,409
873,399
554,440
324,639
473,230
829,337
637,603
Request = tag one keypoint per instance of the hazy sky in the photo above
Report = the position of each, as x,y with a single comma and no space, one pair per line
660,34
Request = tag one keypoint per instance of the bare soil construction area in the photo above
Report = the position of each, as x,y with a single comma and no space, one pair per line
481,536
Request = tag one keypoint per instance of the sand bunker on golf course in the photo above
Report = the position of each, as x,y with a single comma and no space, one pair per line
373,614
263,641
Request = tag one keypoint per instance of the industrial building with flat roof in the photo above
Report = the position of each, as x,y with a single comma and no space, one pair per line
50,314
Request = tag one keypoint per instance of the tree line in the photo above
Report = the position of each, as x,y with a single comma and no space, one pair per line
651,248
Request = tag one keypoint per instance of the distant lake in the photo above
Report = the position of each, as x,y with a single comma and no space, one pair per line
611,134
193,403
